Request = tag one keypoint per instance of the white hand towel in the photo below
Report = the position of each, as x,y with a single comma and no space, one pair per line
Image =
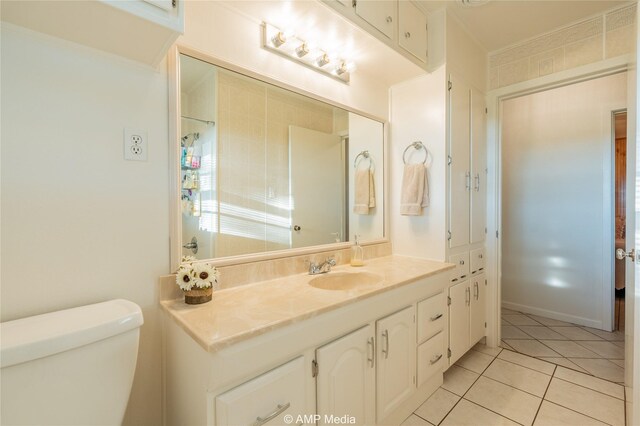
362,196
372,190
415,190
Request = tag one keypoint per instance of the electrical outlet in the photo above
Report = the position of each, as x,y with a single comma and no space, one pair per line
135,145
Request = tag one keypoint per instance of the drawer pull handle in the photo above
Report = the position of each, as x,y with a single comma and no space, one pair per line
434,318
372,345
407,35
475,290
480,256
279,410
385,350
436,359
389,19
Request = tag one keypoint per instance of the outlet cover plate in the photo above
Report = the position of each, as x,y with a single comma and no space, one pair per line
135,144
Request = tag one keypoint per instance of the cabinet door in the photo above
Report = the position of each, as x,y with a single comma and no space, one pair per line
459,320
412,30
478,309
478,167
346,377
381,14
396,355
459,170
273,394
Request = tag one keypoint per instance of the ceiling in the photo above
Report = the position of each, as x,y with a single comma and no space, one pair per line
499,23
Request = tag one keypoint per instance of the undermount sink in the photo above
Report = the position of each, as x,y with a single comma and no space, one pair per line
345,280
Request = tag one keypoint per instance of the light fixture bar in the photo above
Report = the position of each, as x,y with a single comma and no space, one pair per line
298,50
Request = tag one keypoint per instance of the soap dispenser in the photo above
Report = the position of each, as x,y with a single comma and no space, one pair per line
357,255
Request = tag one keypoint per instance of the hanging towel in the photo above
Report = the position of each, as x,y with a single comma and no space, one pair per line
415,190
365,195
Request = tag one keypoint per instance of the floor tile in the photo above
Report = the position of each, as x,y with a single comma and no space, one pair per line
570,349
532,347
520,320
549,321
519,377
586,401
509,402
618,362
604,349
513,332
504,322
575,333
602,368
505,311
481,347
437,406
612,336
565,363
602,386
527,361
619,343
458,380
551,414
414,420
475,361
538,332
505,345
469,414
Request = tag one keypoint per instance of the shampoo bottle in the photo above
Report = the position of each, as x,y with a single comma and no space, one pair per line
357,255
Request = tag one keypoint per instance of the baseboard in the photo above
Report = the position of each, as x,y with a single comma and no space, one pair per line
552,314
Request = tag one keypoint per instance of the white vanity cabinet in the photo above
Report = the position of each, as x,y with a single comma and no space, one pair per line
265,399
396,360
412,30
467,315
346,382
381,14
365,362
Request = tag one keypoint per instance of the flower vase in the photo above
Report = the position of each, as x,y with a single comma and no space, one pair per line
196,296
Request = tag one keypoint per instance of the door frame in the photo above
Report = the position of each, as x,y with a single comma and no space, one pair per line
494,176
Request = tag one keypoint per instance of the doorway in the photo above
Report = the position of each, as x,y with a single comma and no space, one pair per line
620,185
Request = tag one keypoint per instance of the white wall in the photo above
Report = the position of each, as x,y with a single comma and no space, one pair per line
557,216
80,224
466,59
418,112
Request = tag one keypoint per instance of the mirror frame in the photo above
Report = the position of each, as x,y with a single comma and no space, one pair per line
175,213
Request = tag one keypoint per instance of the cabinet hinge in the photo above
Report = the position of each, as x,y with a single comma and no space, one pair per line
485,230
497,234
448,352
174,3
449,160
449,235
414,380
449,85
485,282
414,318
353,3
486,110
485,325
448,300
314,368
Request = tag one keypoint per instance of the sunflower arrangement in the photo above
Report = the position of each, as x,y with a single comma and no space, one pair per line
196,279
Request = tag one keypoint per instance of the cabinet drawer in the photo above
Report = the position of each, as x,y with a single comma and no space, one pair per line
462,266
277,391
431,316
431,358
477,260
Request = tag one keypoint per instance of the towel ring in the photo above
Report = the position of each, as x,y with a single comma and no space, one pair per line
416,145
363,155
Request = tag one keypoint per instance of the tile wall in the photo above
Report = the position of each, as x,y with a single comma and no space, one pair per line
602,37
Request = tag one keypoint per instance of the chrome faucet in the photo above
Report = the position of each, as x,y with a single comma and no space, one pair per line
323,268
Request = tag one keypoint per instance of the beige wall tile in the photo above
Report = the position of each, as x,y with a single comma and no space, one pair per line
514,72
620,41
583,52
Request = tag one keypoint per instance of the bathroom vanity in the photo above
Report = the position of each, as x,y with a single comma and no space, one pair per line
296,347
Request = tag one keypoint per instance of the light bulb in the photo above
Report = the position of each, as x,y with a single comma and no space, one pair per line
279,39
302,50
322,60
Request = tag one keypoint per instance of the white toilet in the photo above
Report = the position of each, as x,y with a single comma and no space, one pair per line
71,367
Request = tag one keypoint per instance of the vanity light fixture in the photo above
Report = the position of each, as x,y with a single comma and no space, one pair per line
294,48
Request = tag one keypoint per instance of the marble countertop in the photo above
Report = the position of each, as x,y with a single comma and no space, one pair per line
247,311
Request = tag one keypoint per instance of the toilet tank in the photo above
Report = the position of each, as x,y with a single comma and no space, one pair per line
70,367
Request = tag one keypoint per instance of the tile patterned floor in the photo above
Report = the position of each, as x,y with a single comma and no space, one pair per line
495,386
587,350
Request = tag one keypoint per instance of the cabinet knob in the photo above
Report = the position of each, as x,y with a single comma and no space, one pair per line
462,262
480,256
389,19
407,34
296,227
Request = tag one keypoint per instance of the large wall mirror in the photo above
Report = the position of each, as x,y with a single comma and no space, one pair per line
265,169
